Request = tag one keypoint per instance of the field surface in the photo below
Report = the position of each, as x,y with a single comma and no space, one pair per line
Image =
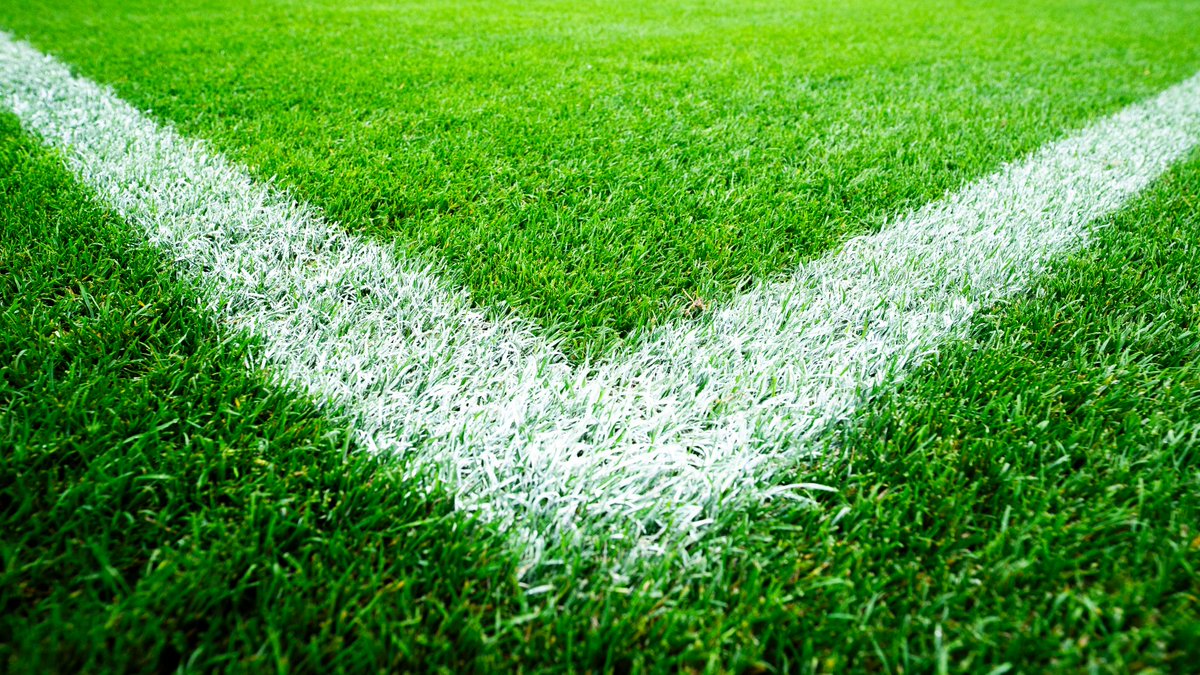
1026,499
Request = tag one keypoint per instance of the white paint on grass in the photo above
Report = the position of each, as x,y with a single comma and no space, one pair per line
652,442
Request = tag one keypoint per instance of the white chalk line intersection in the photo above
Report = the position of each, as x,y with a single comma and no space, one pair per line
655,441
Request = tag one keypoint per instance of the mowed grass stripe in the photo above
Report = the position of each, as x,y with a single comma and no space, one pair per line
654,443
605,166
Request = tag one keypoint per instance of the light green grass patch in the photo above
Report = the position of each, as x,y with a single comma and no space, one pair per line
601,166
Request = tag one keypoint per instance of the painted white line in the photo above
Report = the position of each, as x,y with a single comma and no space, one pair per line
652,442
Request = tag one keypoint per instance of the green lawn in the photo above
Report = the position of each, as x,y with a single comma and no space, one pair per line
1030,498
1028,501
156,498
597,166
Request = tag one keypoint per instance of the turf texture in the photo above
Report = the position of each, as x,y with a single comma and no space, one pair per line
1026,501
603,166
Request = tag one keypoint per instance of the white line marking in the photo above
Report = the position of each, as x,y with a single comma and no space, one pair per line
655,439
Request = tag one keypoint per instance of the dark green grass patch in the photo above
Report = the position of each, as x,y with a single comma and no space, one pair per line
161,507
602,165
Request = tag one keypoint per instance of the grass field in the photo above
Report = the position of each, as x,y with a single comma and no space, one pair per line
1026,501
593,165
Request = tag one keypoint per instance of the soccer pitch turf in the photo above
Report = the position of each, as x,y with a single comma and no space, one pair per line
600,176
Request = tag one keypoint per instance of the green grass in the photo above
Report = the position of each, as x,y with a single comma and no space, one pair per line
1030,498
599,166
162,506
